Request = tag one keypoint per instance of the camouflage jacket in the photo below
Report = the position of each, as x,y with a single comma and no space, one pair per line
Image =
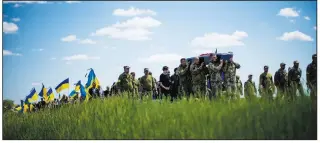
265,80
312,74
239,86
184,74
136,85
294,75
229,70
125,82
147,83
249,87
214,71
281,78
197,74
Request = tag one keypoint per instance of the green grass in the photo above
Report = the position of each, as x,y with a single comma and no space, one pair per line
122,118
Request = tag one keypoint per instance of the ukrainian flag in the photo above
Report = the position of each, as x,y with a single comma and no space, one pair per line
18,108
84,93
50,95
43,93
77,86
63,85
73,93
92,78
32,97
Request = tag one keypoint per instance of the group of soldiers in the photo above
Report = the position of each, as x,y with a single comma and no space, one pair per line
199,79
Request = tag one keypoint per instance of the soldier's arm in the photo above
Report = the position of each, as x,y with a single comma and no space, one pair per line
237,65
194,69
308,74
276,77
245,87
215,68
260,80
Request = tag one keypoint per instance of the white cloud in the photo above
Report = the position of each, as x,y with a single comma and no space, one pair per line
161,58
71,2
295,35
132,11
87,41
307,18
9,27
288,12
132,29
15,19
9,53
38,50
217,40
315,27
17,5
80,57
69,38
36,84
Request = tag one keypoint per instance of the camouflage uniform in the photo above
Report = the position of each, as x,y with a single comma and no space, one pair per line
250,89
312,80
239,87
185,79
125,82
215,79
294,80
281,81
136,85
266,86
198,78
147,84
229,70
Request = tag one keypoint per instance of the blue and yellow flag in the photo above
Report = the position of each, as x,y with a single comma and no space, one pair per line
32,97
92,78
63,85
73,93
50,95
18,108
84,93
77,86
43,93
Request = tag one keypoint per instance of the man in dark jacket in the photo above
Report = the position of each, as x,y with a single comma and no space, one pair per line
175,83
93,91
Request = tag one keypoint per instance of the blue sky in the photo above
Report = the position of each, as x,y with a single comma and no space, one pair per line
48,42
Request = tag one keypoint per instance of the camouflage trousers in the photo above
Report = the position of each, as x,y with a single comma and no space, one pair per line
249,96
215,90
282,91
231,89
199,89
186,88
146,93
294,86
266,93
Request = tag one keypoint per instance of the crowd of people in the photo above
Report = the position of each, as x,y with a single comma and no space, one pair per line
203,80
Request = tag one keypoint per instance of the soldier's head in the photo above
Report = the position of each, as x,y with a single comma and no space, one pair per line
94,84
266,69
196,60
183,61
250,76
133,74
126,69
165,69
231,59
296,64
175,70
214,57
314,58
283,66
146,71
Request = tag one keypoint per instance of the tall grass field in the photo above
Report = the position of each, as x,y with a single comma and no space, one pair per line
124,118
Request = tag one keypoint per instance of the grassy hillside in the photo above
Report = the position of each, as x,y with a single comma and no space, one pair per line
122,118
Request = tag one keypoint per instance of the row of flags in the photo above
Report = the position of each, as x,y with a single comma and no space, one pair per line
48,95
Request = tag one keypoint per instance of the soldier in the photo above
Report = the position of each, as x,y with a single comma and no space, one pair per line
125,81
175,83
229,71
154,92
266,86
281,80
147,84
198,77
185,77
215,78
250,90
312,80
135,83
239,87
294,80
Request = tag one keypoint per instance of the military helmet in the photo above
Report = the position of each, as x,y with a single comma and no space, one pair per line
282,64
